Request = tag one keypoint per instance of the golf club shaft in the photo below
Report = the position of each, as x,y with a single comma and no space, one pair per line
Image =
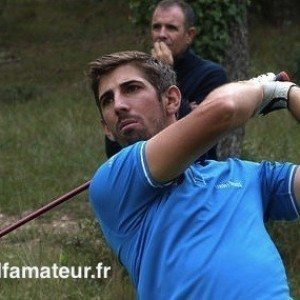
44,209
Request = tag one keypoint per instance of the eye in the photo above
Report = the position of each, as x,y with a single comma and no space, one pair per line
131,88
156,26
105,100
171,27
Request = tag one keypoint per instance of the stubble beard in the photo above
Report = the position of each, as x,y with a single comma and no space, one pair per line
143,134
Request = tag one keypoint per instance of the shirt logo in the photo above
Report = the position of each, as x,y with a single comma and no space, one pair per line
229,184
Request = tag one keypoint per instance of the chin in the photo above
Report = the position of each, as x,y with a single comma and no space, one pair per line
133,139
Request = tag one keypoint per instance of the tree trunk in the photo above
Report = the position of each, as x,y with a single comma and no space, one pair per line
237,65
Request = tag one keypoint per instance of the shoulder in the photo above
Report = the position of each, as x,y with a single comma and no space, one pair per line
208,69
262,166
268,173
213,67
233,165
117,166
205,63
116,187
121,186
265,175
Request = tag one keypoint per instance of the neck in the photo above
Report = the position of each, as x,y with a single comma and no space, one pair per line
182,54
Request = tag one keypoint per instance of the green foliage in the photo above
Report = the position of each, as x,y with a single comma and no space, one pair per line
214,21
141,12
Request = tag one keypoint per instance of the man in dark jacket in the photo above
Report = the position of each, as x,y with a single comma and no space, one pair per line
173,31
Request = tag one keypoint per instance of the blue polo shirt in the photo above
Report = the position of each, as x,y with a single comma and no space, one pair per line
201,236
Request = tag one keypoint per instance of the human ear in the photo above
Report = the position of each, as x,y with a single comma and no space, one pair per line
191,33
172,99
107,132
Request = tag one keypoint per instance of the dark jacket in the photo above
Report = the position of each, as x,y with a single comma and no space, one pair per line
196,78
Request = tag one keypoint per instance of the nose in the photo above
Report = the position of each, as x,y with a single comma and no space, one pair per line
161,34
120,104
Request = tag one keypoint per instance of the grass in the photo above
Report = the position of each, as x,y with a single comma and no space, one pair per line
45,147
50,140
275,48
41,247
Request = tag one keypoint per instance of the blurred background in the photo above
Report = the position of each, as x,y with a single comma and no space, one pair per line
50,137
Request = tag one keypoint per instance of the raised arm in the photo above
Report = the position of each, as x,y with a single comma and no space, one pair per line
294,102
294,107
171,151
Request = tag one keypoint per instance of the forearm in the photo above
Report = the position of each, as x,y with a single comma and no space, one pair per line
244,97
172,150
294,102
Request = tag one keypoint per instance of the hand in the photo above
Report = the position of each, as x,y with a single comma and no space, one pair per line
275,96
274,103
162,52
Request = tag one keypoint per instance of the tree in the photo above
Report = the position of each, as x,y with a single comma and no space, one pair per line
236,63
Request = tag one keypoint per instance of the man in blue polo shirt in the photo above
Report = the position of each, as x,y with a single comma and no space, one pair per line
185,230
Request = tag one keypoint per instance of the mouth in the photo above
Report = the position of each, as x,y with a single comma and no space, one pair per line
126,125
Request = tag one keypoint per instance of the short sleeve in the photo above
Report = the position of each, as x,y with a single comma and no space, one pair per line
279,201
122,191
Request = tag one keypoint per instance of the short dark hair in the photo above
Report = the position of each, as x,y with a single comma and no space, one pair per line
189,14
160,75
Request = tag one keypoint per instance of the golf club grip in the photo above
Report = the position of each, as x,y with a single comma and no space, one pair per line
44,209
282,76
